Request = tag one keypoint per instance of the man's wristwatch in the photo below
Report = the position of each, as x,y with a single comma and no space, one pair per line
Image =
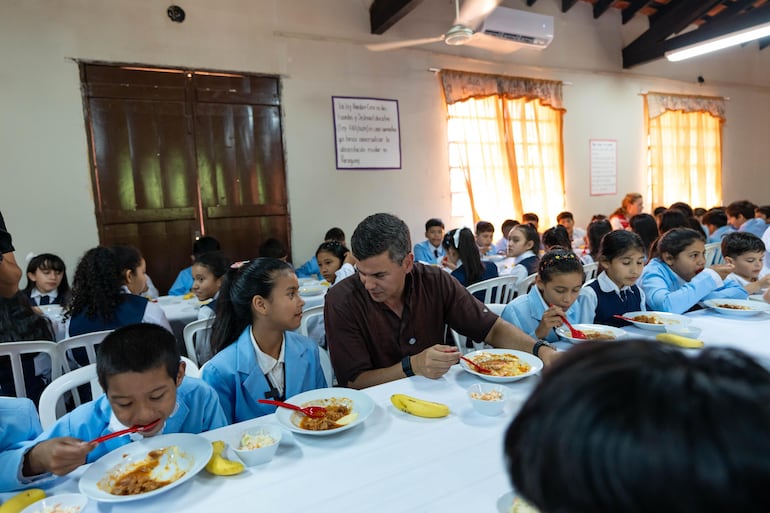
406,365
540,343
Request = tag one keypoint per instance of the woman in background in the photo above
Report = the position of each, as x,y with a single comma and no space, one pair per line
632,204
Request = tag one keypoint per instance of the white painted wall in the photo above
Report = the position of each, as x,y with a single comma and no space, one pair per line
316,47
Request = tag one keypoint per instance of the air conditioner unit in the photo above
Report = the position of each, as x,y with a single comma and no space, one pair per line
529,29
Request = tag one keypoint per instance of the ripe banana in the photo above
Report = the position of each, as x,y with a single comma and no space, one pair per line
220,466
20,501
419,407
678,340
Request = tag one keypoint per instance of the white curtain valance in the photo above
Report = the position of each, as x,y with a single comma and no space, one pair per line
461,85
658,103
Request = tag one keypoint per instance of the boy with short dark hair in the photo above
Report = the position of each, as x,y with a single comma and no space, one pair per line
184,280
576,235
140,371
715,221
746,252
740,214
484,234
501,246
430,251
532,218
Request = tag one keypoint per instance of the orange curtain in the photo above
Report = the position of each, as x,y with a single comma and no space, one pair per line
505,147
685,149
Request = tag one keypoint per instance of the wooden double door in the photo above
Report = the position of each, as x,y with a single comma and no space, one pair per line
176,154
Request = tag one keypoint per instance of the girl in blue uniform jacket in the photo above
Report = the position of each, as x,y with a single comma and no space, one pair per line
257,354
675,279
558,293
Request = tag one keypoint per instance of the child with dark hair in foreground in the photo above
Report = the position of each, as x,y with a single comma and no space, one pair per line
140,370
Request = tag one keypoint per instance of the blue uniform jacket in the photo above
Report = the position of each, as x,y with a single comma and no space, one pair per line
527,311
19,423
183,283
235,374
309,269
197,410
667,292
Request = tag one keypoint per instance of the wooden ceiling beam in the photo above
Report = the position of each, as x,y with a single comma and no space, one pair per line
566,5
632,8
657,49
383,14
601,6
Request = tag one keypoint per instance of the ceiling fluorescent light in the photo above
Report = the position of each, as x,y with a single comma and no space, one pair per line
712,45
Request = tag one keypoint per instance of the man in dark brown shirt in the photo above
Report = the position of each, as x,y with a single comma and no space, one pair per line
10,273
388,320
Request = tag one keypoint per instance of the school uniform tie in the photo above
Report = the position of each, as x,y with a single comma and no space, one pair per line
435,253
45,300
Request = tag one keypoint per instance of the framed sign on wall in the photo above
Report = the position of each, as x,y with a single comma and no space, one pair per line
366,133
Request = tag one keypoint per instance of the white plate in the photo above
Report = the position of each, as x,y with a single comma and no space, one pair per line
312,290
493,258
615,333
64,500
536,365
746,309
664,317
194,449
362,404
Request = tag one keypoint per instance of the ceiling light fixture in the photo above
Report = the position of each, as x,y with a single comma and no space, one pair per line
712,45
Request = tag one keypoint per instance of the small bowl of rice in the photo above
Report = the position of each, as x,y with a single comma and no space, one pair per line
487,398
257,445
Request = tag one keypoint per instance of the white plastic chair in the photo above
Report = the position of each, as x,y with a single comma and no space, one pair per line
308,327
496,290
522,288
195,333
15,350
713,253
496,308
87,341
51,405
590,271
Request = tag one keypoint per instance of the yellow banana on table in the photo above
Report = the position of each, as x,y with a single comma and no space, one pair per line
219,465
20,501
679,340
419,407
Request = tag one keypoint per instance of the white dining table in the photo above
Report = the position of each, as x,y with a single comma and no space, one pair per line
392,462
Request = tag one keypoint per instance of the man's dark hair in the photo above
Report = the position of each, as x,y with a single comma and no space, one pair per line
379,233
737,243
432,222
136,348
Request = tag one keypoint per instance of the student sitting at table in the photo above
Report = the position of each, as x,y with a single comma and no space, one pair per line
310,268
621,259
209,270
431,251
140,371
273,248
184,280
556,237
596,230
596,421
577,236
523,241
104,292
462,256
20,424
558,293
675,280
531,218
20,322
485,232
740,214
646,227
258,356
335,261
501,246
715,221
746,252
47,280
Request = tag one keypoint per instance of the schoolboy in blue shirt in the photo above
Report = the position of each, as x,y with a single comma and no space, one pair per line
485,232
740,214
430,251
184,280
715,221
310,268
20,424
139,368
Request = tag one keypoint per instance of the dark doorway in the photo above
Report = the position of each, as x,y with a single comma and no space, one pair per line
176,154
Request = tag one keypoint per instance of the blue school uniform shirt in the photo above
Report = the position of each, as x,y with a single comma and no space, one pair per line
197,410
239,381
309,269
183,283
611,300
19,423
527,311
754,225
719,234
426,253
667,292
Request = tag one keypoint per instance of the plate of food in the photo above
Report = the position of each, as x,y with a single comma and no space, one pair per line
351,407
737,307
62,503
312,290
506,364
591,331
509,502
146,468
655,321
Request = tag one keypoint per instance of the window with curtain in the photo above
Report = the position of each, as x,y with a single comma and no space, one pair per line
684,149
505,147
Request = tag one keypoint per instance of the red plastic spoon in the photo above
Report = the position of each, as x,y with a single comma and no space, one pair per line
629,319
480,368
133,429
575,333
311,411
